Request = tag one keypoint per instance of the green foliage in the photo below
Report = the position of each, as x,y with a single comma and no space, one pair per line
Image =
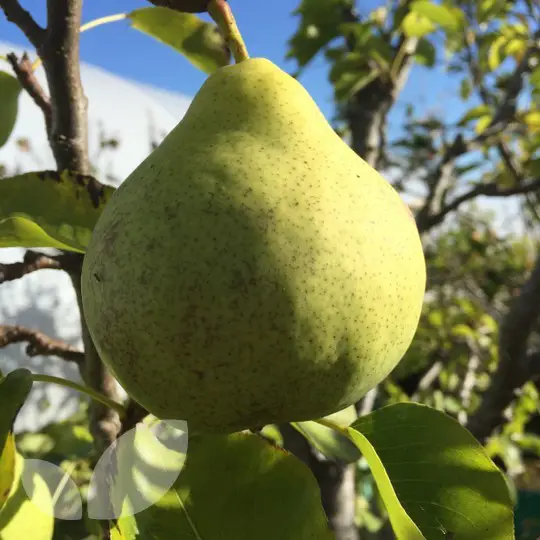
319,25
238,487
426,473
60,214
329,442
9,104
445,482
28,512
199,41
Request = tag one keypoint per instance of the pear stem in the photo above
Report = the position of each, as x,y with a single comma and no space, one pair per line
221,12
96,396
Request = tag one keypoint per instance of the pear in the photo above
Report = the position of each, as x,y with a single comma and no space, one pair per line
9,103
253,269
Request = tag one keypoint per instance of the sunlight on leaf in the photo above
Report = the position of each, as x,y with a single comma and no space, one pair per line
200,42
61,213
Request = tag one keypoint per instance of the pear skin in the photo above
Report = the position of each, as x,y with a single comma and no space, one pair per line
253,269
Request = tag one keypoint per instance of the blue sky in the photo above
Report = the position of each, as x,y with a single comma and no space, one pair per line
130,54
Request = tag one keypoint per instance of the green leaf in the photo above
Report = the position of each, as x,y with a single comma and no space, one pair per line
415,25
465,90
237,487
7,468
441,474
490,8
516,48
329,442
9,105
483,123
48,209
425,53
438,14
14,389
200,42
27,515
473,114
320,22
404,527
351,83
496,53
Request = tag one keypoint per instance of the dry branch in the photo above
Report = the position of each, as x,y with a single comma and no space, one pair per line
25,74
39,344
32,262
16,14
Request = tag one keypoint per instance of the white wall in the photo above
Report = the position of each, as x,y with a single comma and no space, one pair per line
45,300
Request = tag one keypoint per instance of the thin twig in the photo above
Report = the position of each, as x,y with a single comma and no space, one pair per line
25,74
16,14
185,6
32,262
435,207
39,344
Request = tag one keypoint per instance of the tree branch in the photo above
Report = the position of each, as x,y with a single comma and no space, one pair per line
32,262
435,207
60,53
184,6
39,344
16,14
25,74
426,222
515,364
68,137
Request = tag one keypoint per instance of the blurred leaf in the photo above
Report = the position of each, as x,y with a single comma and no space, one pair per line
58,441
200,42
532,119
351,83
415,25
438,14
495,55
462,330
238,487
473,114
440,473
14,389
9,105
465,89
425,53
61,213
7,469
516,48
320,21
487,8
483,123
27,514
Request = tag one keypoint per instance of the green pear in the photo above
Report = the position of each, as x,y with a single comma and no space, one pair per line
253,269
9,103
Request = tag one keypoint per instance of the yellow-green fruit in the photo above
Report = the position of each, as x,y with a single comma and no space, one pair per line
253,269
9,101
24,515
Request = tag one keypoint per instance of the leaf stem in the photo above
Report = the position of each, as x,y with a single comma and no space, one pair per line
332,425
221,12
96,396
